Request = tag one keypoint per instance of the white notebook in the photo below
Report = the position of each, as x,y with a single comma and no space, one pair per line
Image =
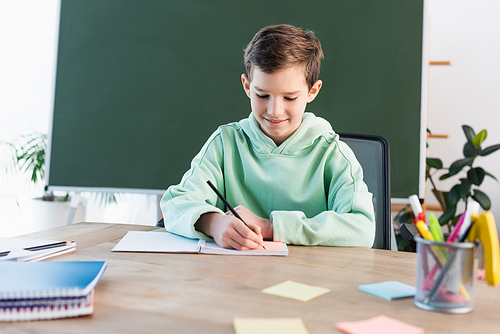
165,242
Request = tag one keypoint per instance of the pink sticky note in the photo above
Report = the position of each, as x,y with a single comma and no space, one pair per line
378,325
271,245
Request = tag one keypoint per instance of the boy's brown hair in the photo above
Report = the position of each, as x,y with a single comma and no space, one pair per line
279,47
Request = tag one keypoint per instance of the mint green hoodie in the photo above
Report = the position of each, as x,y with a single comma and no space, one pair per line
311,186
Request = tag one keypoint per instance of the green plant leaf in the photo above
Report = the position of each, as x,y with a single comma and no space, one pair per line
469,133
469,150
476,175
459,164
401,212
490,176
489,150
434,163
29,155
480,137
405,217
465,186
107,198
454,195
442,197
403,245
482,199
445,176
455,219
447,215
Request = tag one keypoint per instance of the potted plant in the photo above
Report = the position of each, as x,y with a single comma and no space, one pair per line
466,187
28,156
48,210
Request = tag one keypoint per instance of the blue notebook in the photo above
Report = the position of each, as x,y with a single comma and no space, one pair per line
389,290
28,280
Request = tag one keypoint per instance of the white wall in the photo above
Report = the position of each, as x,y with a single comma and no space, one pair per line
468,92
28,44
28,40
463,31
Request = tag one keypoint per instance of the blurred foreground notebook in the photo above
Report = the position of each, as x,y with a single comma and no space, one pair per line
47,290
32,250
165,242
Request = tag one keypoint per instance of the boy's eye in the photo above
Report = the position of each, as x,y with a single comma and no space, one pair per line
290,98
262,96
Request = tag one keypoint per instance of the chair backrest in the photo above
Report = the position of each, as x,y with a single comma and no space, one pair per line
372,153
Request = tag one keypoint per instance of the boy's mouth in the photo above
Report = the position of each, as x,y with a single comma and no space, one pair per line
275,122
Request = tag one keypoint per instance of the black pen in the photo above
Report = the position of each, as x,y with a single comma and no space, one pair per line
47,246
229,206
466,233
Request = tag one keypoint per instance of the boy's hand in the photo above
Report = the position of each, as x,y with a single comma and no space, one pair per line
266,225
229,231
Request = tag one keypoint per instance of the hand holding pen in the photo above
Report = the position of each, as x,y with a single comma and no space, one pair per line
255,230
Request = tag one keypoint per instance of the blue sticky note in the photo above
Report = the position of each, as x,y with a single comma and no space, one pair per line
389,290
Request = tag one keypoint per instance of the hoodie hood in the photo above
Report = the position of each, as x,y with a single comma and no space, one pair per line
302,139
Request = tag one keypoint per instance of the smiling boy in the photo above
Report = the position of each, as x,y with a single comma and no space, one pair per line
284,170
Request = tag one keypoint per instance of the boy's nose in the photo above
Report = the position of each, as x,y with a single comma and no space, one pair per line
275,108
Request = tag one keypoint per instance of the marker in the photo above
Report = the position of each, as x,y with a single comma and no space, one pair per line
424,232
466,234
446,269
229,206
435,228
472,207
454,234
417,208
442,258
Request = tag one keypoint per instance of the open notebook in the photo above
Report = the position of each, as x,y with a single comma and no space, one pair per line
165,242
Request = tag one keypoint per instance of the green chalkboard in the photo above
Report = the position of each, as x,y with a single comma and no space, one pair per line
141,84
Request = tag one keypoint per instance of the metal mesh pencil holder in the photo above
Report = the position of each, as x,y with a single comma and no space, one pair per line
445,276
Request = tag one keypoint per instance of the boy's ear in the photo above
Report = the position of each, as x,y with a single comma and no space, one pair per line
246,84
313,92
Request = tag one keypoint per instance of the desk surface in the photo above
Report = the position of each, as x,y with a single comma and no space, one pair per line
197,293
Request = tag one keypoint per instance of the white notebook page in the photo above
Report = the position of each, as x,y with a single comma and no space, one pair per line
163,242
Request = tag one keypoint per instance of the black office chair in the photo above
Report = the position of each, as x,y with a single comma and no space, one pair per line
372,153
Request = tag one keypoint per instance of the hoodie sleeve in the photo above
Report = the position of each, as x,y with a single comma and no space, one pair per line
349,220
184,203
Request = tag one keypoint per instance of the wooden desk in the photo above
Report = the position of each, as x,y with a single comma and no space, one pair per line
195,293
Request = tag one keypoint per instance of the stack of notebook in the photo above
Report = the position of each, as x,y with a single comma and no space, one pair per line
20,249
47,290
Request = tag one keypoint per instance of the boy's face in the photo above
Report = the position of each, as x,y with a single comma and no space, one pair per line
279,100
